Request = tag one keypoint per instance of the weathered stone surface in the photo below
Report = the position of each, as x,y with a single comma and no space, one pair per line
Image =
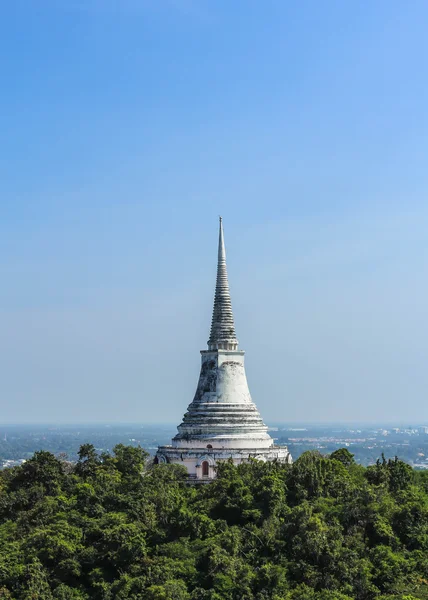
222,326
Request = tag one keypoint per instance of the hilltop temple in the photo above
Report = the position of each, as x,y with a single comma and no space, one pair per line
222,422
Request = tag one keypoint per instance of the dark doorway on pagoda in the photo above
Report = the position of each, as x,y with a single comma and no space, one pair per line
205,468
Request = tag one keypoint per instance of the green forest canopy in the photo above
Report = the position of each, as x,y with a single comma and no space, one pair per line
118,527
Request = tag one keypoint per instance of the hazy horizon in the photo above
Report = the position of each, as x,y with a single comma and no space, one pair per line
129,127
166,425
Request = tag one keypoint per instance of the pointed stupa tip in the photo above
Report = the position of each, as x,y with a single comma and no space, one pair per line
223,334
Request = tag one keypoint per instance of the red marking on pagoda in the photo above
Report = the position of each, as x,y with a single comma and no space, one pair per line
222,422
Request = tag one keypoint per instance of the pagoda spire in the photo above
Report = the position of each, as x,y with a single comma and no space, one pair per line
222,334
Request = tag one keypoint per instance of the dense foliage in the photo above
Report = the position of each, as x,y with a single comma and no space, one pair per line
112,527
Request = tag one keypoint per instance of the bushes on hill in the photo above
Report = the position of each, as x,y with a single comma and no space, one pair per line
116,528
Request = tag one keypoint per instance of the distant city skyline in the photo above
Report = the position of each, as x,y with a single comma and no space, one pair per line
129,127
366,443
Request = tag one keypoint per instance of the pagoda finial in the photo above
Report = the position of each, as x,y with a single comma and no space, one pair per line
223,334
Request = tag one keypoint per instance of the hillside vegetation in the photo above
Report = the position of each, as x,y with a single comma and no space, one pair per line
322,529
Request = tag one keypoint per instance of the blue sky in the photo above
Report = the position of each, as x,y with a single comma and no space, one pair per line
128,126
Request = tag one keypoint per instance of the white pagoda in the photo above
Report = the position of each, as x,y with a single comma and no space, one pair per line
222,422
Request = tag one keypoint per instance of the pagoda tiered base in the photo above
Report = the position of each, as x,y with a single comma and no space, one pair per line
201,462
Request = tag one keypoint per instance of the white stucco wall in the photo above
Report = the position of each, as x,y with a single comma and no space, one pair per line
192,459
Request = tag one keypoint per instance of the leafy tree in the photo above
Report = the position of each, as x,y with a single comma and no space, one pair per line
313,476
344,456
42,470
395,474
88,462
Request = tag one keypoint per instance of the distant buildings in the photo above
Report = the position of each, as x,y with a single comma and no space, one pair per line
7,464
